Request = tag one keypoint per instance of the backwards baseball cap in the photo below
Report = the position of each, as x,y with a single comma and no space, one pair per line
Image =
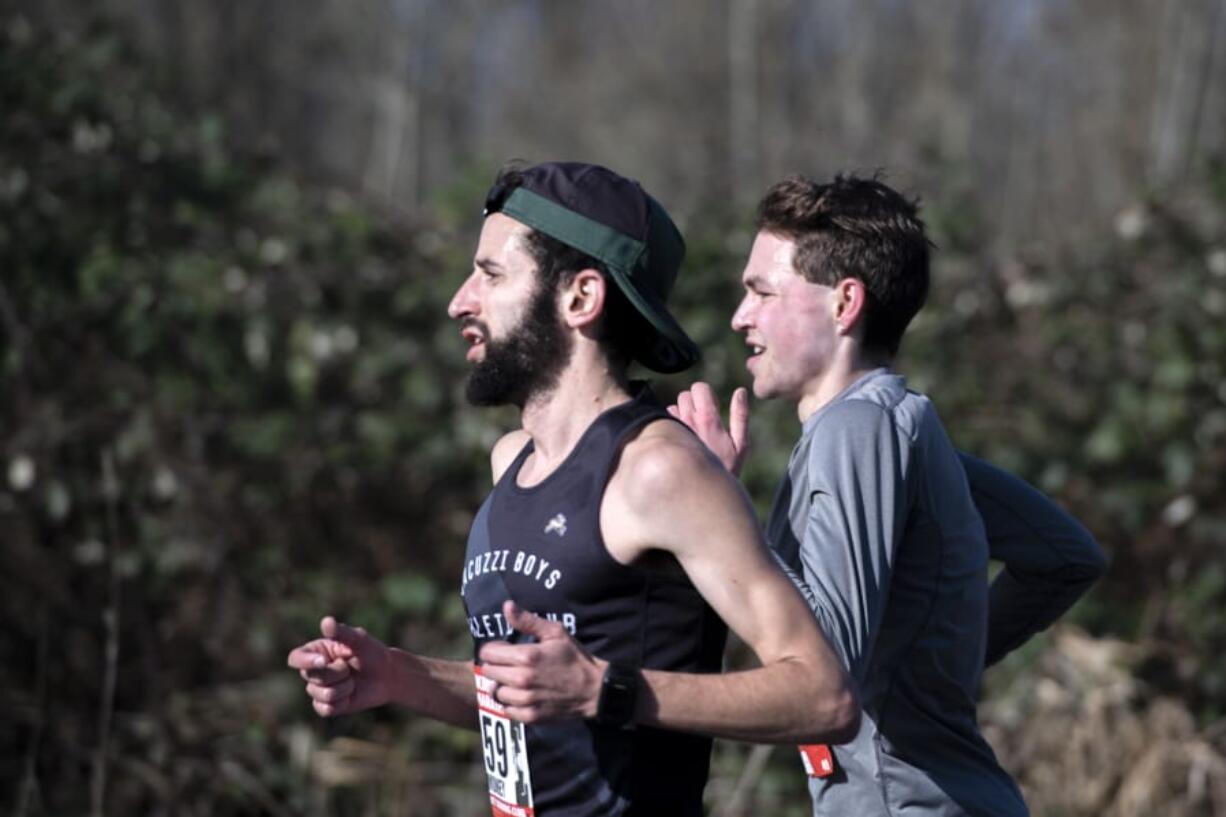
612,219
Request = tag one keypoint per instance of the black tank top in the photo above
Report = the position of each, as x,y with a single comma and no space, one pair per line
542,547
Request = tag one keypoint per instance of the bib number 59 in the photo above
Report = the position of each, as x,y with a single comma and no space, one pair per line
504,746
494,736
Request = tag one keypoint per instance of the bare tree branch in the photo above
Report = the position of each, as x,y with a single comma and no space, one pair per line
29,792
110,616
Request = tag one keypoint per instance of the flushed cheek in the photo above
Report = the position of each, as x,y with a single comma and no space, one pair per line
788,357
767,380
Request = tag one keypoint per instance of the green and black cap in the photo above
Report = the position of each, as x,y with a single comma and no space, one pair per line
612,219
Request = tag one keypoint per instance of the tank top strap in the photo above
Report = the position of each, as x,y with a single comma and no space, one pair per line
622,423
512,470
598,449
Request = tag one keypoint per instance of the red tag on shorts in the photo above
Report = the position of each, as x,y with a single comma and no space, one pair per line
818,760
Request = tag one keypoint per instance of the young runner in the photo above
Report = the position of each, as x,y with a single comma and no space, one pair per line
886,528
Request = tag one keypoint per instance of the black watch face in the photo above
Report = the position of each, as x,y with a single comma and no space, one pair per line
617,697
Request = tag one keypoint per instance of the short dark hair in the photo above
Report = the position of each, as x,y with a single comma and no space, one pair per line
623,330
856,228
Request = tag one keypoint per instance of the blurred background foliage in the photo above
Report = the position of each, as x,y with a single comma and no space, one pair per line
232,402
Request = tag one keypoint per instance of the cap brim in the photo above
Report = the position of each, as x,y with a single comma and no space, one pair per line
672,350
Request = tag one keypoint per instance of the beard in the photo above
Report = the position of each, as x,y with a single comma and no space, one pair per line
527,362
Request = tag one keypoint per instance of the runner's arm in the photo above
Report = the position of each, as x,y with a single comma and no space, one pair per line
858,502
686,503
1049,558
436,687
348,670
843,563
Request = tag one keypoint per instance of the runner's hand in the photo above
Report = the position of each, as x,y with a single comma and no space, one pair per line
553,679
345,671
698,408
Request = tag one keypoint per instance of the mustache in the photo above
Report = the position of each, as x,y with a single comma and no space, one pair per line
473,323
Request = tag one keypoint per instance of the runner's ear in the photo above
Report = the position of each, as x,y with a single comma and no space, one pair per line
583,299
850,304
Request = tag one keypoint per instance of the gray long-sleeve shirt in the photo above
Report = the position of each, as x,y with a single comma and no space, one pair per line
877,522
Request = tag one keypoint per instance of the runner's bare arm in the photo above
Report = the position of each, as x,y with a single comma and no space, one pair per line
436,687
348,670
669,494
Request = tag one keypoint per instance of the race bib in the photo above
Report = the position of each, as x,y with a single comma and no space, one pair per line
506,754
818,760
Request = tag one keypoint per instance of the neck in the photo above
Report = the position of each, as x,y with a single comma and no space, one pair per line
557,419
844,369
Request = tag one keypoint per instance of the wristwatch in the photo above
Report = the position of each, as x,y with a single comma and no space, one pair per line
619,691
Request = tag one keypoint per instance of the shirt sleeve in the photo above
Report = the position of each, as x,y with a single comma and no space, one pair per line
857,502
1049,558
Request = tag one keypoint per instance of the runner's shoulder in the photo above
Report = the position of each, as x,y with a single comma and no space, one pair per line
663,462
505,450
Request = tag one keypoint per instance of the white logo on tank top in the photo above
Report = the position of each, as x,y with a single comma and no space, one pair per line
557,525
